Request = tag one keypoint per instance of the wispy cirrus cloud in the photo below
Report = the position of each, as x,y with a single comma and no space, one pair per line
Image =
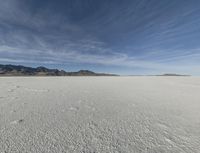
147,35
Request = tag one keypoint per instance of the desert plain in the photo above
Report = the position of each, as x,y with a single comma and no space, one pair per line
100,114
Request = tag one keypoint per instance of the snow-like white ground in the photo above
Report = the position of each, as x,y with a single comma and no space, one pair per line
99,114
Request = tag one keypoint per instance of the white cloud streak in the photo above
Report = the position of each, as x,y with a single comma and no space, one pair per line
69,43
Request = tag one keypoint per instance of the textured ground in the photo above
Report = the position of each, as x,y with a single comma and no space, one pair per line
99,114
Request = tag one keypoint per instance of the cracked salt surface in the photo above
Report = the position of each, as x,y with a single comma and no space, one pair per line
100,114
17,121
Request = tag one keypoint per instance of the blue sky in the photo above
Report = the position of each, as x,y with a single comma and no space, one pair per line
115,36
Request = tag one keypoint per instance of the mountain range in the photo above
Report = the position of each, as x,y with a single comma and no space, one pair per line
19,70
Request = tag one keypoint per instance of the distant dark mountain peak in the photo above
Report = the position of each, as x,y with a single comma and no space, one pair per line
42,69
86,72
173,74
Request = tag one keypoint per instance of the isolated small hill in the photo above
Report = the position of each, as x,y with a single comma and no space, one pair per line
18,70
172,74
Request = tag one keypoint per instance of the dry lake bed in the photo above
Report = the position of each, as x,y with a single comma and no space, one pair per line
99,114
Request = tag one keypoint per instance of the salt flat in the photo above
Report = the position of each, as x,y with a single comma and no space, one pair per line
100,114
